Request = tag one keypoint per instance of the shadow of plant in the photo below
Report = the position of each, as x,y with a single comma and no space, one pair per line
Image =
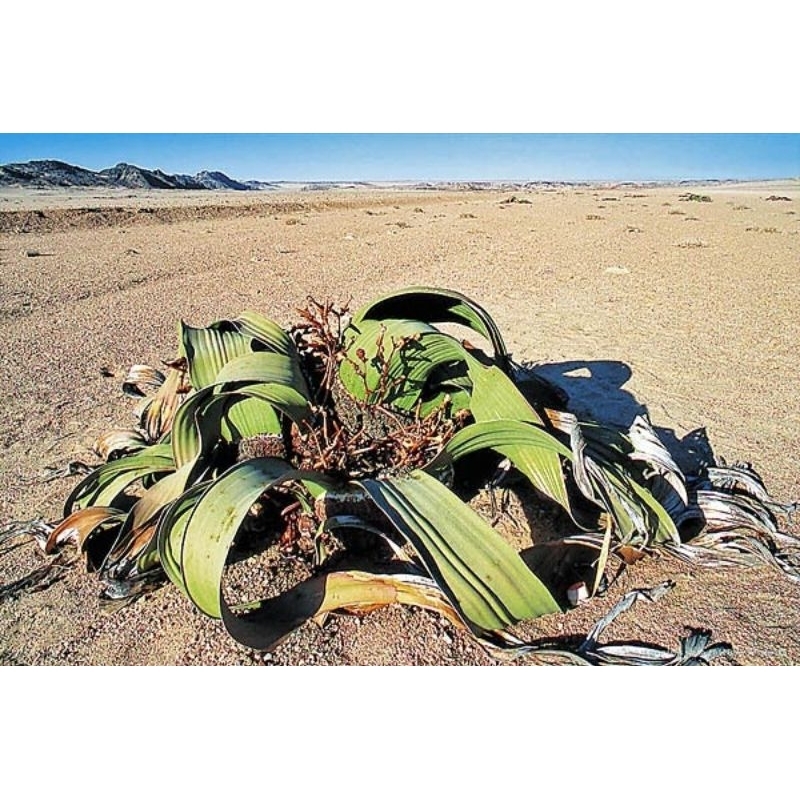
595,390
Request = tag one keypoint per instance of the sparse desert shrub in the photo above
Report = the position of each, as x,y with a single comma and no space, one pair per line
694,198
593,216
515,199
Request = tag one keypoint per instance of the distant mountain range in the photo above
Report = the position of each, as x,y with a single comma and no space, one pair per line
53,174
46,174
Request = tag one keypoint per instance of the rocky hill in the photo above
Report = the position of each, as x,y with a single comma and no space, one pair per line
46,174
219,180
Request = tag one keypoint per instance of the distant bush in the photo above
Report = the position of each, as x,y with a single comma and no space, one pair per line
696,198
514,199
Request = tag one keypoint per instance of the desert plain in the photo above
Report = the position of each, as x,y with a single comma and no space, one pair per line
631,298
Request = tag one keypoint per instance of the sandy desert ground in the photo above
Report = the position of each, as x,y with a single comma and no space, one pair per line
629,297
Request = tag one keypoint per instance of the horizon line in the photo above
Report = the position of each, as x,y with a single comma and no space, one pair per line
582,180
520,179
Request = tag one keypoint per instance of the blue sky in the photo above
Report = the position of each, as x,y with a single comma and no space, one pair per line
411,156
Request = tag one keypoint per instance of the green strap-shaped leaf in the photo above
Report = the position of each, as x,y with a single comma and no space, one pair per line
214,522
263,368
206,417
434,305
533,451
272,378
200,424
265,331
104,486
500,435
172,529
209,349
378,370
285,399
197,426
368,346
249,416
195,534
485,579
495,397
